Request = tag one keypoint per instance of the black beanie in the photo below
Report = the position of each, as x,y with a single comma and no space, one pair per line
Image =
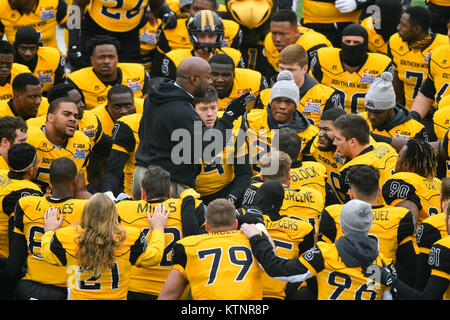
27,35
269,197
355,29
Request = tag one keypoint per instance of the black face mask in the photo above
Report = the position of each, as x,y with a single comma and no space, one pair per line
354,56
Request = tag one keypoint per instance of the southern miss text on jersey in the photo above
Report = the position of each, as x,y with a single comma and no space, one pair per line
309,174
327,68
77,148
410,186
29,222
381,156
133,213
412,65
6,91
260,128
11,190
59,248
313,102
324,11
392,227
431,230
48,62
148,39
438,77
178,37
245,80
219,266
95,91
309,39
336,281
44,18
126,140
439,261
288,235
409,129
376,42
117,16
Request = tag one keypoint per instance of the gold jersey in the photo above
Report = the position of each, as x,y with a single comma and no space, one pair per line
77,148
95,91
409,129
117,16
392,227
309,39
336,281
219,266
431,230
319,11
309,174
412,65
126,139
439,72
11,190
49,60
29,222
439,261
6,91
3,164
443,3
59,248
44,18
287,234
376,42
7,109
245,80
425,194
328,69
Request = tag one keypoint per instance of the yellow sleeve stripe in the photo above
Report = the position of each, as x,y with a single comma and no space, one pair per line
441,274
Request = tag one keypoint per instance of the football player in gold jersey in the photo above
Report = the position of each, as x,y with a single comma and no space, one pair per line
431,230
230,82
218,265
43,281
284,30
351,69
27,99
8,69
59,137
227,175
94,82
13,130
393,227
100,262
410,50
385,117
14,184
46,63
337,268
185,217
315,97
352,140
43,15
414,184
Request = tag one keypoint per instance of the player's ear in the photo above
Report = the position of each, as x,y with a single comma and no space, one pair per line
170,192
143,194
206,226
235,224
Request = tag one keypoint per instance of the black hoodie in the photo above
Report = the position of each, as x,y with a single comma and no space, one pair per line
167,108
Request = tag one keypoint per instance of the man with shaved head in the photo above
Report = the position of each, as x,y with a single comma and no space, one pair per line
171,132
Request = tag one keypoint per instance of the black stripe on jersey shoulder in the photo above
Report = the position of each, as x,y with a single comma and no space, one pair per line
139,246
394,189
315,258
439,258
58,250
405,227
427,235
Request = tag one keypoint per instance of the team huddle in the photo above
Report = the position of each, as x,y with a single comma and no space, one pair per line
330,182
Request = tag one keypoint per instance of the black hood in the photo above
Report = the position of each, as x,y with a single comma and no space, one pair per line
401,116
357,250
165,92
299,124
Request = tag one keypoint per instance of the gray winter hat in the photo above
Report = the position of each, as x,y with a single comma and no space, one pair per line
381,94
184,3
356,217
285,87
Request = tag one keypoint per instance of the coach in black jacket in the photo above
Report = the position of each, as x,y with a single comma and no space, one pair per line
171,131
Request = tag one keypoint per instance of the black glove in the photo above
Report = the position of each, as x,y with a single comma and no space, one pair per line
415,115
231,198
170,20
75,57
236,108
251,216
386,275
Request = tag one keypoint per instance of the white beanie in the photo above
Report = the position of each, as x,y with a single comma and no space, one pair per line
356,217
285,87
381,94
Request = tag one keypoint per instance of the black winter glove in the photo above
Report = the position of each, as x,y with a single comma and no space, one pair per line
169,20
251,216
75,58
236,108
415,115
385,275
